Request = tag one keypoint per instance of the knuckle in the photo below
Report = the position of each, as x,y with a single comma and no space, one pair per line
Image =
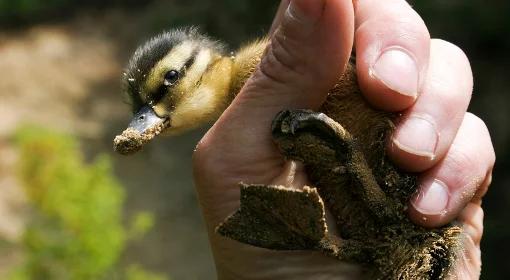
449,78
485,139
476,122
484,187
463,163
366,8
395,29
471,156
452,49
472,218
455,57
268,68
280,63
396,16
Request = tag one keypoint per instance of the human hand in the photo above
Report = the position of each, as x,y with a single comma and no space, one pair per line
399,69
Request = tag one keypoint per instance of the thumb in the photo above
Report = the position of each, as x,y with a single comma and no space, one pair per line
307,53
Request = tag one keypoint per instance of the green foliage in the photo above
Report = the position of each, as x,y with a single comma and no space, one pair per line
76,230
135,272
142,222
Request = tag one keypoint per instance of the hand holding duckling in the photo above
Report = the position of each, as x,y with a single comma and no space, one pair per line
399,69
182,79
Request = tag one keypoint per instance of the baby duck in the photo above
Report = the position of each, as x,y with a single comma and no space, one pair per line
182,79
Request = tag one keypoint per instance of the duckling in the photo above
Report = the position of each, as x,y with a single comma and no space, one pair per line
182,79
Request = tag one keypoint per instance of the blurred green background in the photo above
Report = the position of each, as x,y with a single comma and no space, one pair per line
137,218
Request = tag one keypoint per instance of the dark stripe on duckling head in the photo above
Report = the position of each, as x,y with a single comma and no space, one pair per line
190,60
149,54
145,58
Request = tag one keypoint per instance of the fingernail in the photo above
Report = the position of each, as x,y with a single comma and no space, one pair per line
432,199
296,11
417,136
398,70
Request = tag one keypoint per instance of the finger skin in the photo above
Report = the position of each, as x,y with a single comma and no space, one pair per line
284,4
392,53
427,129
304,54
471,218
469,263
303,61
462,175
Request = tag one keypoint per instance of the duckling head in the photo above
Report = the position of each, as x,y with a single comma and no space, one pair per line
176,81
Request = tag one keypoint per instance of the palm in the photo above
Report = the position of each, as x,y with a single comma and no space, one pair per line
253,158
239,150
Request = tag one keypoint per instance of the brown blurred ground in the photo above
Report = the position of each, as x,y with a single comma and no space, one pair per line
63,71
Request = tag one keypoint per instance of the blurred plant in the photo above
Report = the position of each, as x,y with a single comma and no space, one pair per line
75,230
135,272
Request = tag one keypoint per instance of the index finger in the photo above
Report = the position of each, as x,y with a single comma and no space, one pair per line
392,52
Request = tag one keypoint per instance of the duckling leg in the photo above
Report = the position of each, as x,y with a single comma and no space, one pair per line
329,152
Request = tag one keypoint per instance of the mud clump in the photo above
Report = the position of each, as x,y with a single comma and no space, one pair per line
131,141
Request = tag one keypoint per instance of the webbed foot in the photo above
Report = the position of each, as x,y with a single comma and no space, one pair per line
275,217
280,218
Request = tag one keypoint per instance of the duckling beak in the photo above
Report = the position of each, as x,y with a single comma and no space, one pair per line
144,126
146,119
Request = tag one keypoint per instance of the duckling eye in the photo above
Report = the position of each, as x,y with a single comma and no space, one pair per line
171,77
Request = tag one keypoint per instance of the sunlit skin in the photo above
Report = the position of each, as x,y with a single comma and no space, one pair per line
400,68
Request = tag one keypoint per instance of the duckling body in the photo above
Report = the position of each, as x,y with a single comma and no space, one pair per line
181,79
